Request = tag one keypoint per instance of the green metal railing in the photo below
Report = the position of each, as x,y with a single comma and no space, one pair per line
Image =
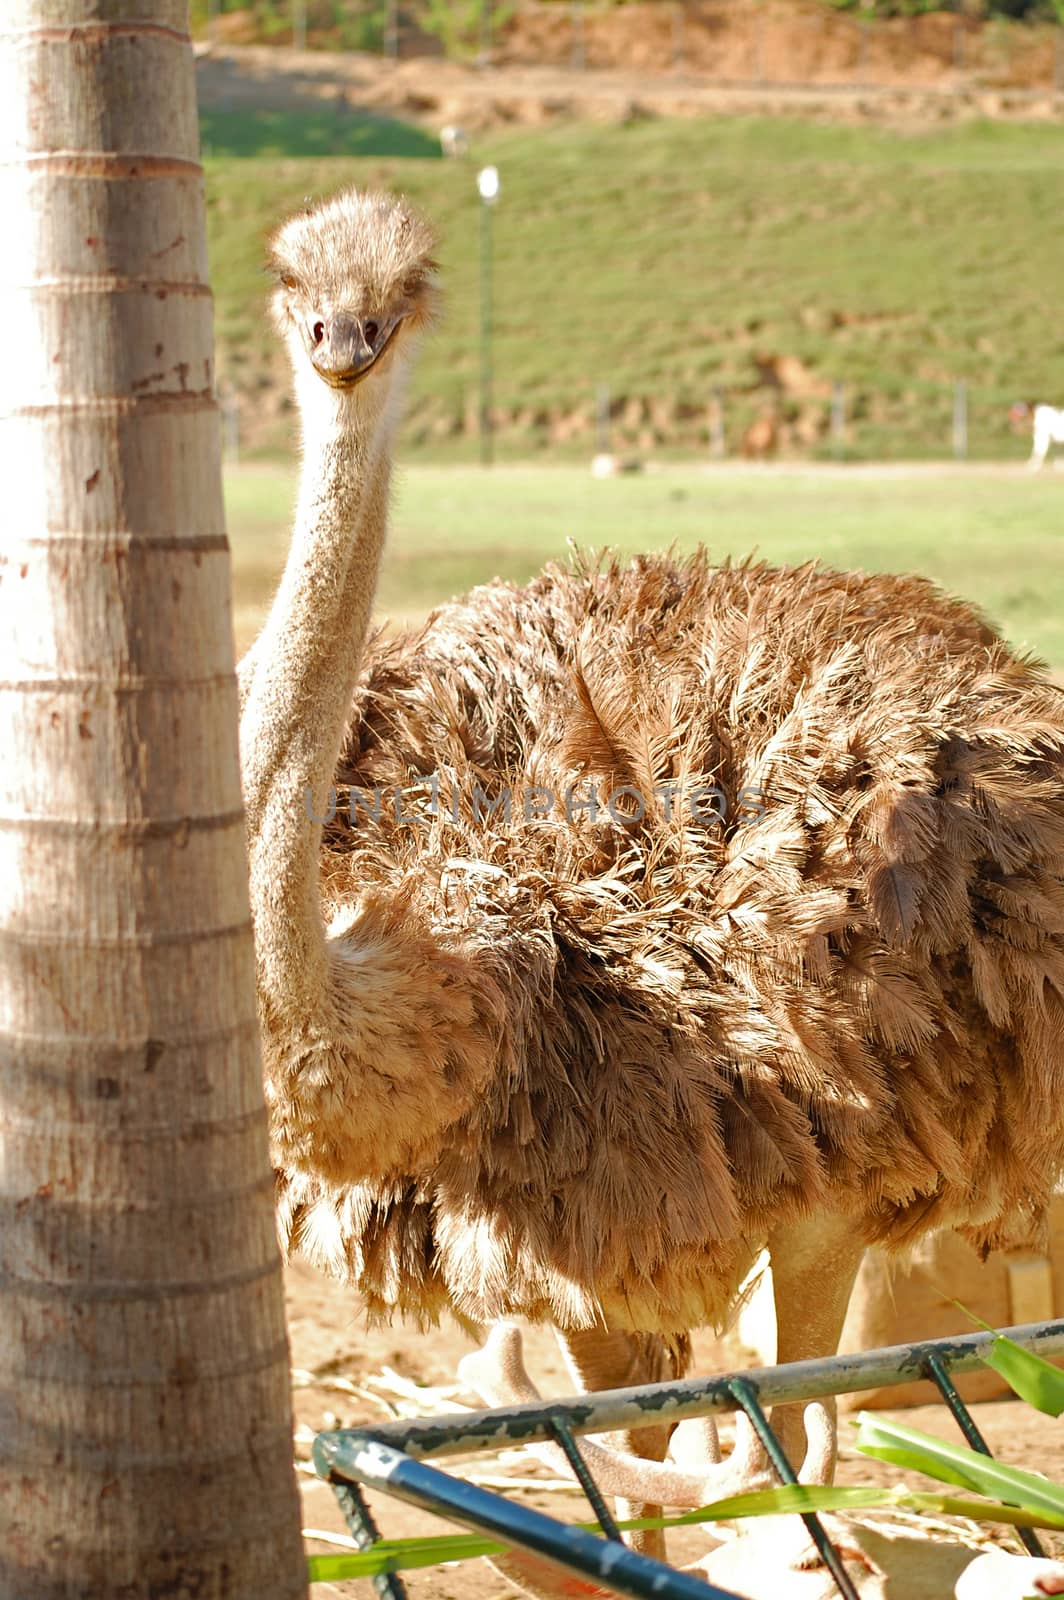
393,1457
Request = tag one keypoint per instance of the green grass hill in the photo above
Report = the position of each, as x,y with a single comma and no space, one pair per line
769,259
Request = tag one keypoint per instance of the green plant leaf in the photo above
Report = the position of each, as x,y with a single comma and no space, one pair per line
403,1555
1031,1376
790,1498
399,1555
952,1463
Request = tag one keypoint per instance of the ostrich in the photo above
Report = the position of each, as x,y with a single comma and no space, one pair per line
611,928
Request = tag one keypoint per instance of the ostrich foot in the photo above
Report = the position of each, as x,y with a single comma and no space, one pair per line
762,1566
497,1373
998,1575
694,1475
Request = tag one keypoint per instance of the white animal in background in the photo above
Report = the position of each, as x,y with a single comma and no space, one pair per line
453,141
1047,427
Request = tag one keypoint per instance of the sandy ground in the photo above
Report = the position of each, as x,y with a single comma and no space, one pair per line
330,1342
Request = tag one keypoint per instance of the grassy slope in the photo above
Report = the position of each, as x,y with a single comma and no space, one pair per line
660,256
989,538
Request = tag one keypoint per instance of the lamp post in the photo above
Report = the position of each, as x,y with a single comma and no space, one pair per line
488,189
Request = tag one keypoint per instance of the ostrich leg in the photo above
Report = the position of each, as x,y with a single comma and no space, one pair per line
606,1359
814,1264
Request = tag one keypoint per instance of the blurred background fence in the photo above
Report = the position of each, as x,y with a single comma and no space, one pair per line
795,416
1013,44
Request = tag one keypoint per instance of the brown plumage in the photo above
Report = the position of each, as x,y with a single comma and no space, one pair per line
797,979
849,990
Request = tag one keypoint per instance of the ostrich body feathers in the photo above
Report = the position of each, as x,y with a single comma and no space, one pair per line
812,955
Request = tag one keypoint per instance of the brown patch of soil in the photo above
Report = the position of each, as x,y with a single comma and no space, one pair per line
787,57
785,41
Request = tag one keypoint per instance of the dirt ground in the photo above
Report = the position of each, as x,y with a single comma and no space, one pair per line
792,64
782,41
332,1350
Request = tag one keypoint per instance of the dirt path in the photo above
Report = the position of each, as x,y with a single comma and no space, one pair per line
437,92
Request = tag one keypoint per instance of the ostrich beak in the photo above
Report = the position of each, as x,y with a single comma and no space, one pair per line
343,349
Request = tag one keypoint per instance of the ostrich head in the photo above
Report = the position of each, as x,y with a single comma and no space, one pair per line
356,281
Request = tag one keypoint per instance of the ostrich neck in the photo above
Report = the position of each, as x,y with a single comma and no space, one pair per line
298,697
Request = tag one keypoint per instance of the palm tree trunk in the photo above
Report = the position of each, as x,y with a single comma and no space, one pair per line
145,1418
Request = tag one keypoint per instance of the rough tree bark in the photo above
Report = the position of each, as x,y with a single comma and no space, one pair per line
145,1421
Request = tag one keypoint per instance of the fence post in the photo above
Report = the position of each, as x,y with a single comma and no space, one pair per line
576,20
487,419
485,32
716,425
602,418
230,427
299,24
960,419
838,416
391,30
1058,60
678,41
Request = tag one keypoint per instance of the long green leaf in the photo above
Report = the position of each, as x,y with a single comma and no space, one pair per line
402,1555
953,1463
427,1550
788,1499
1031,1376
396,1555
978,1510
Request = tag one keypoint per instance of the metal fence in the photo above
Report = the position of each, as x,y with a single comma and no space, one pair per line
392,1457
844,421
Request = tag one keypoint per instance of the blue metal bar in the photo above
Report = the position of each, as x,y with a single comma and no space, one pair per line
614,1566
746,1395
964,1420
